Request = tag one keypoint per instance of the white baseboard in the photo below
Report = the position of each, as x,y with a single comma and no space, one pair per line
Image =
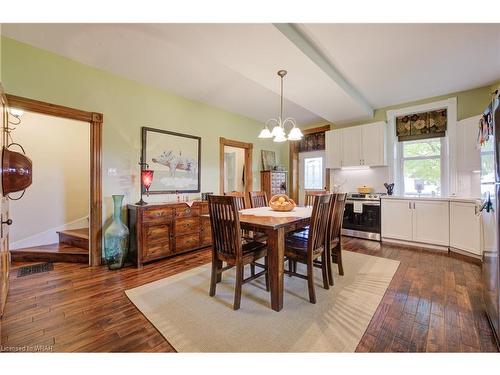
49,236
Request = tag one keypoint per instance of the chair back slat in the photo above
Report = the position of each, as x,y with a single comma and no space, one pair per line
311,194
225,223
240,199
319,222
337,216
258,199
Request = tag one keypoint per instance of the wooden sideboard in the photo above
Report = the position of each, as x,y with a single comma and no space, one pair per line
162,230
273,182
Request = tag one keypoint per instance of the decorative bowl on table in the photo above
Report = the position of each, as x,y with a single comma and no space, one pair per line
281,202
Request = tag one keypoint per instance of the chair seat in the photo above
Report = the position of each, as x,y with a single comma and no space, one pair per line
253,250
296,247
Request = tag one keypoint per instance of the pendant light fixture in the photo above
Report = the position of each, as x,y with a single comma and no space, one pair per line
278,125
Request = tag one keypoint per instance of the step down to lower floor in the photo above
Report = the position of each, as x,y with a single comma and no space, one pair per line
51,253
75,237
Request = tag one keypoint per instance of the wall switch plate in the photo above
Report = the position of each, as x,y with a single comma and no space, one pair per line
112,172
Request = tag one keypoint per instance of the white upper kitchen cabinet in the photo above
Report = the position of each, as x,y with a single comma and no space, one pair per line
465,227
373,140
397,219
469,156
351,146
357,146
431,222
333,149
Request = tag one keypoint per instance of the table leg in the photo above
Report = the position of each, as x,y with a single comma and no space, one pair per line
276,255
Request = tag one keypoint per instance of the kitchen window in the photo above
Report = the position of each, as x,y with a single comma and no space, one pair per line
487,162
422,166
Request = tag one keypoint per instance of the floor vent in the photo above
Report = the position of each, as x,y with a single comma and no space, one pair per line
35,268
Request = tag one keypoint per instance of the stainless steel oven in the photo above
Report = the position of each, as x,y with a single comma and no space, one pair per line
362,216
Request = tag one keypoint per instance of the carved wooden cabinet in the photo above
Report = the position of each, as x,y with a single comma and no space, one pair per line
161,230
273,182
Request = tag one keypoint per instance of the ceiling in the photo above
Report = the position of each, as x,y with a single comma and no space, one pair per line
336,72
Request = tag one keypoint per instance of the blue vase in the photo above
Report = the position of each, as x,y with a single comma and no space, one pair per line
116,237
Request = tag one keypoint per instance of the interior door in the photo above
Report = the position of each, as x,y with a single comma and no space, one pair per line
4,213
312,172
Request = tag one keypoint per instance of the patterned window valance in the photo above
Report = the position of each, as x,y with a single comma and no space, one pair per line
422,125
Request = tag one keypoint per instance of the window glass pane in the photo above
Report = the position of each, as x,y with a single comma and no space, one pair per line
422,176
487,165
426,147
487,146
313,173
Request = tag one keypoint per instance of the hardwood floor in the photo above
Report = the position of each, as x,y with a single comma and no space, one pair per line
433,304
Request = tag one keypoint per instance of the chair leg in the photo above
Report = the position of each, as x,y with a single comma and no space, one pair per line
339,260
290,267
213,278
295,266
252,269
324,270
328,258
266,263
237,289
310,282
220,264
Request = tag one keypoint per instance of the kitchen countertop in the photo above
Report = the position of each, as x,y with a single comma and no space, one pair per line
448,199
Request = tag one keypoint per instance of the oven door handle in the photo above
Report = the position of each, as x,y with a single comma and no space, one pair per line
365,203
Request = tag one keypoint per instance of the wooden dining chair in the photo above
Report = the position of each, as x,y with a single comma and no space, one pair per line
227,246
240,199
258,199
313,248
310,194
334,243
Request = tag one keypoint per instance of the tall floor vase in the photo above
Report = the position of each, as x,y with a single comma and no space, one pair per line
116,237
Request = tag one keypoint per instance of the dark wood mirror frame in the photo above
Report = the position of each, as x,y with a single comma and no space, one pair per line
95,121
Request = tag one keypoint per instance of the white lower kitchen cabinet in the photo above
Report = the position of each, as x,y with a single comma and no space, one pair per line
442,223
431,222
397,219
465,227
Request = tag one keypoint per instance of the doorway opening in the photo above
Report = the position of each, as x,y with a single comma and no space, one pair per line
92,123
52,218
235,167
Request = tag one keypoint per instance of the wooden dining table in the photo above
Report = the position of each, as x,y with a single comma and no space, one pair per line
275,225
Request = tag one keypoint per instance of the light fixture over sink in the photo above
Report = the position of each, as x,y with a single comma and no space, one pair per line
278,125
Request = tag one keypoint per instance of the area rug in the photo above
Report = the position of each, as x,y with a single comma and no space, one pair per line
191,321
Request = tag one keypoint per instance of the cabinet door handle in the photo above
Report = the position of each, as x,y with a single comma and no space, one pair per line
8,222
413,205
409,205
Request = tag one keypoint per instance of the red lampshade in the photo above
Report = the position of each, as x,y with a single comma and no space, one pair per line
147,178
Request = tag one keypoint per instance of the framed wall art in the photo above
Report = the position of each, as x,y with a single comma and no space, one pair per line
175,159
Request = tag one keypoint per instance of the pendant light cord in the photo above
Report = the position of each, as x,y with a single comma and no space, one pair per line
281,107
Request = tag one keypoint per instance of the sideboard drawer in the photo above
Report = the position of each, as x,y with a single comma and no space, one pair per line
157,241
187,225
205,232
187,211
187,242
158,214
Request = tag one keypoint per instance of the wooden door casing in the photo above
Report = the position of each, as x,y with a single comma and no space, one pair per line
4,213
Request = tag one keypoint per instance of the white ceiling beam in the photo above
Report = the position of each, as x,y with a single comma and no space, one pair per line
308,47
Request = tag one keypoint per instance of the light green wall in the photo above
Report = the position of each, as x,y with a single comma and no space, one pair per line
127,106
469,103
